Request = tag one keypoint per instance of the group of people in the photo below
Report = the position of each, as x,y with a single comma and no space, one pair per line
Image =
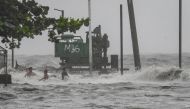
30,73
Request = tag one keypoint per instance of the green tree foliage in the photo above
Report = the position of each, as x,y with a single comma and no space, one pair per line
63,24
19,19
26,18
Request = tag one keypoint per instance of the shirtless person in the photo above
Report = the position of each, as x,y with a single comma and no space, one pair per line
29,72
45,75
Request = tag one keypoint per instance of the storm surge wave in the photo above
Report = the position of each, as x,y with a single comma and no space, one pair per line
152,74
155,69
159,84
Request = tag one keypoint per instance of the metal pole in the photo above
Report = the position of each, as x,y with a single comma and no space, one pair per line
62,12
12,54
90,38
6,67
134,35
121,39
180,33
4,61
62,15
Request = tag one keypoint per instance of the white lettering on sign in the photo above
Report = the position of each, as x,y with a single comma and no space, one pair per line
72,48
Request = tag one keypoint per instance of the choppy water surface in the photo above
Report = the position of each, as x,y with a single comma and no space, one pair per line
155,87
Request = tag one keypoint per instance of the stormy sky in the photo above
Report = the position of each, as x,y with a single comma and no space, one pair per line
157,25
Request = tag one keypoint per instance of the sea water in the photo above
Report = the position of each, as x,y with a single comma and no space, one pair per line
156,86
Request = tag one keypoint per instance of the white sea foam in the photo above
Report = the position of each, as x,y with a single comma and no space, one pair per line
153,74
156,87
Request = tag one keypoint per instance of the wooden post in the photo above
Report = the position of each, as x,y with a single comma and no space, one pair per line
121,39
134,35
180,33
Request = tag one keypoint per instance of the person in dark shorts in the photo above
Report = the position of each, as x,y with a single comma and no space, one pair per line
64,74
45,75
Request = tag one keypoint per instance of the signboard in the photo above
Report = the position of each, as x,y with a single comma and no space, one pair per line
71,49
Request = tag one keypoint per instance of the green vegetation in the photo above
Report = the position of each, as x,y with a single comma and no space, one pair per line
62,25
26,18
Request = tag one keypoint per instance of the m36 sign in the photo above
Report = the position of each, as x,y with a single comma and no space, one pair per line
72,48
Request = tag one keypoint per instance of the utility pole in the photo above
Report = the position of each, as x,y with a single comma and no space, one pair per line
90,38
134,35
180,33
121,39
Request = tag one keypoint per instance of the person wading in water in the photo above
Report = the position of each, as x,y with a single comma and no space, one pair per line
45,75
29,72
64,74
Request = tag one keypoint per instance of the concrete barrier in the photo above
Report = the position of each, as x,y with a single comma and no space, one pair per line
5,79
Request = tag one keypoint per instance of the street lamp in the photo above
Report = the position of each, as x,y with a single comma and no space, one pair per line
62,12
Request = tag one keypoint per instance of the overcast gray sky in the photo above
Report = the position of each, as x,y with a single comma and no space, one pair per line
157,25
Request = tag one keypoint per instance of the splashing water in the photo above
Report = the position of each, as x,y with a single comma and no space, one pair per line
151,74
154,87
